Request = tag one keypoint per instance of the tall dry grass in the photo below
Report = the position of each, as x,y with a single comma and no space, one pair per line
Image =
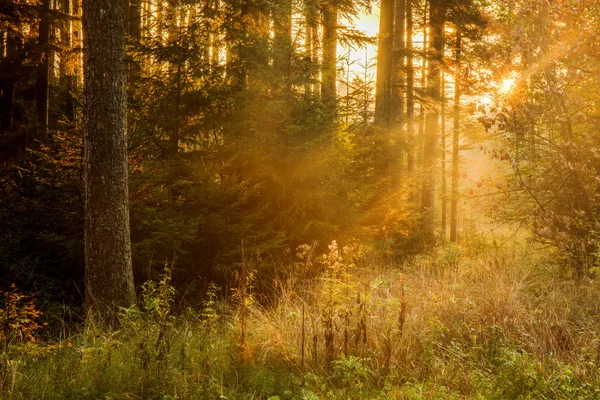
475,321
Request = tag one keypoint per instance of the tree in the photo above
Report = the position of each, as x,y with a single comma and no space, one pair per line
383,88
282,41
444,183
108,269
436,25
455,141
410,84
329,77
398,67
42,81
549,125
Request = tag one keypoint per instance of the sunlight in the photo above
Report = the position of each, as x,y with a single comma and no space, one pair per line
486,100
507,85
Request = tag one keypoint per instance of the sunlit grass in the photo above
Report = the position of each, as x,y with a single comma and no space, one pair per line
473,321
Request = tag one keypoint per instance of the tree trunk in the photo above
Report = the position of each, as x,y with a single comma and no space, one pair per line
108,271
315,46
410,83
383,84
67,78
455,143
329,83
308,42
422,85
398,65
282,27
7,100
436,25
134,23
443,157
41,84
236,65
215,36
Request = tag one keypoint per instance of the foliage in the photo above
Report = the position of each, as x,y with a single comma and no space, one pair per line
19,317
547,126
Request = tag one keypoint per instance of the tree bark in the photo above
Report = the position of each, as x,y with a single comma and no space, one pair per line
410,83
383,84
282,27
455,143
67,78
315,46
436,25
443,157
41,84
108,271
329,82
308,41
13,50
215,36
398,67
422,86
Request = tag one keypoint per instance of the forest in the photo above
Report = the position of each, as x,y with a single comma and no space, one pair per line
299,199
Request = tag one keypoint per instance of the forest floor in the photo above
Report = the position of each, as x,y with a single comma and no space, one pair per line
477,321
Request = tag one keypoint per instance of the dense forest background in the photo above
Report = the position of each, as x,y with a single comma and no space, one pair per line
255,144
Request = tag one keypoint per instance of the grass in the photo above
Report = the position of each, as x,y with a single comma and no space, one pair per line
474,322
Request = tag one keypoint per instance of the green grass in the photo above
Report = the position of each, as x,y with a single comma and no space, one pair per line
461,323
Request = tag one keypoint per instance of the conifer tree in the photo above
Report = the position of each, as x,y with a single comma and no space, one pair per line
108,268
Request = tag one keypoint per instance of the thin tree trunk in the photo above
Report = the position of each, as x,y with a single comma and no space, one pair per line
215,37
108,271
236,65
329,79
455,143
308,42
443,157
282,27
135,19
436,24
398,64
315,46
3,34
422,85
42,80
383,83
67,78
410,83
77,44
13,49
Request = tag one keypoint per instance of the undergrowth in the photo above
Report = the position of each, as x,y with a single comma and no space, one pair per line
476,322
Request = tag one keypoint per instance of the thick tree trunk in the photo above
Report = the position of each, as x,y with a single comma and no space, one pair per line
329,80
436,25
455,143
42,80
383,84
108,273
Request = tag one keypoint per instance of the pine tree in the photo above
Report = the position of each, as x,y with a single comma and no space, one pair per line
108,268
